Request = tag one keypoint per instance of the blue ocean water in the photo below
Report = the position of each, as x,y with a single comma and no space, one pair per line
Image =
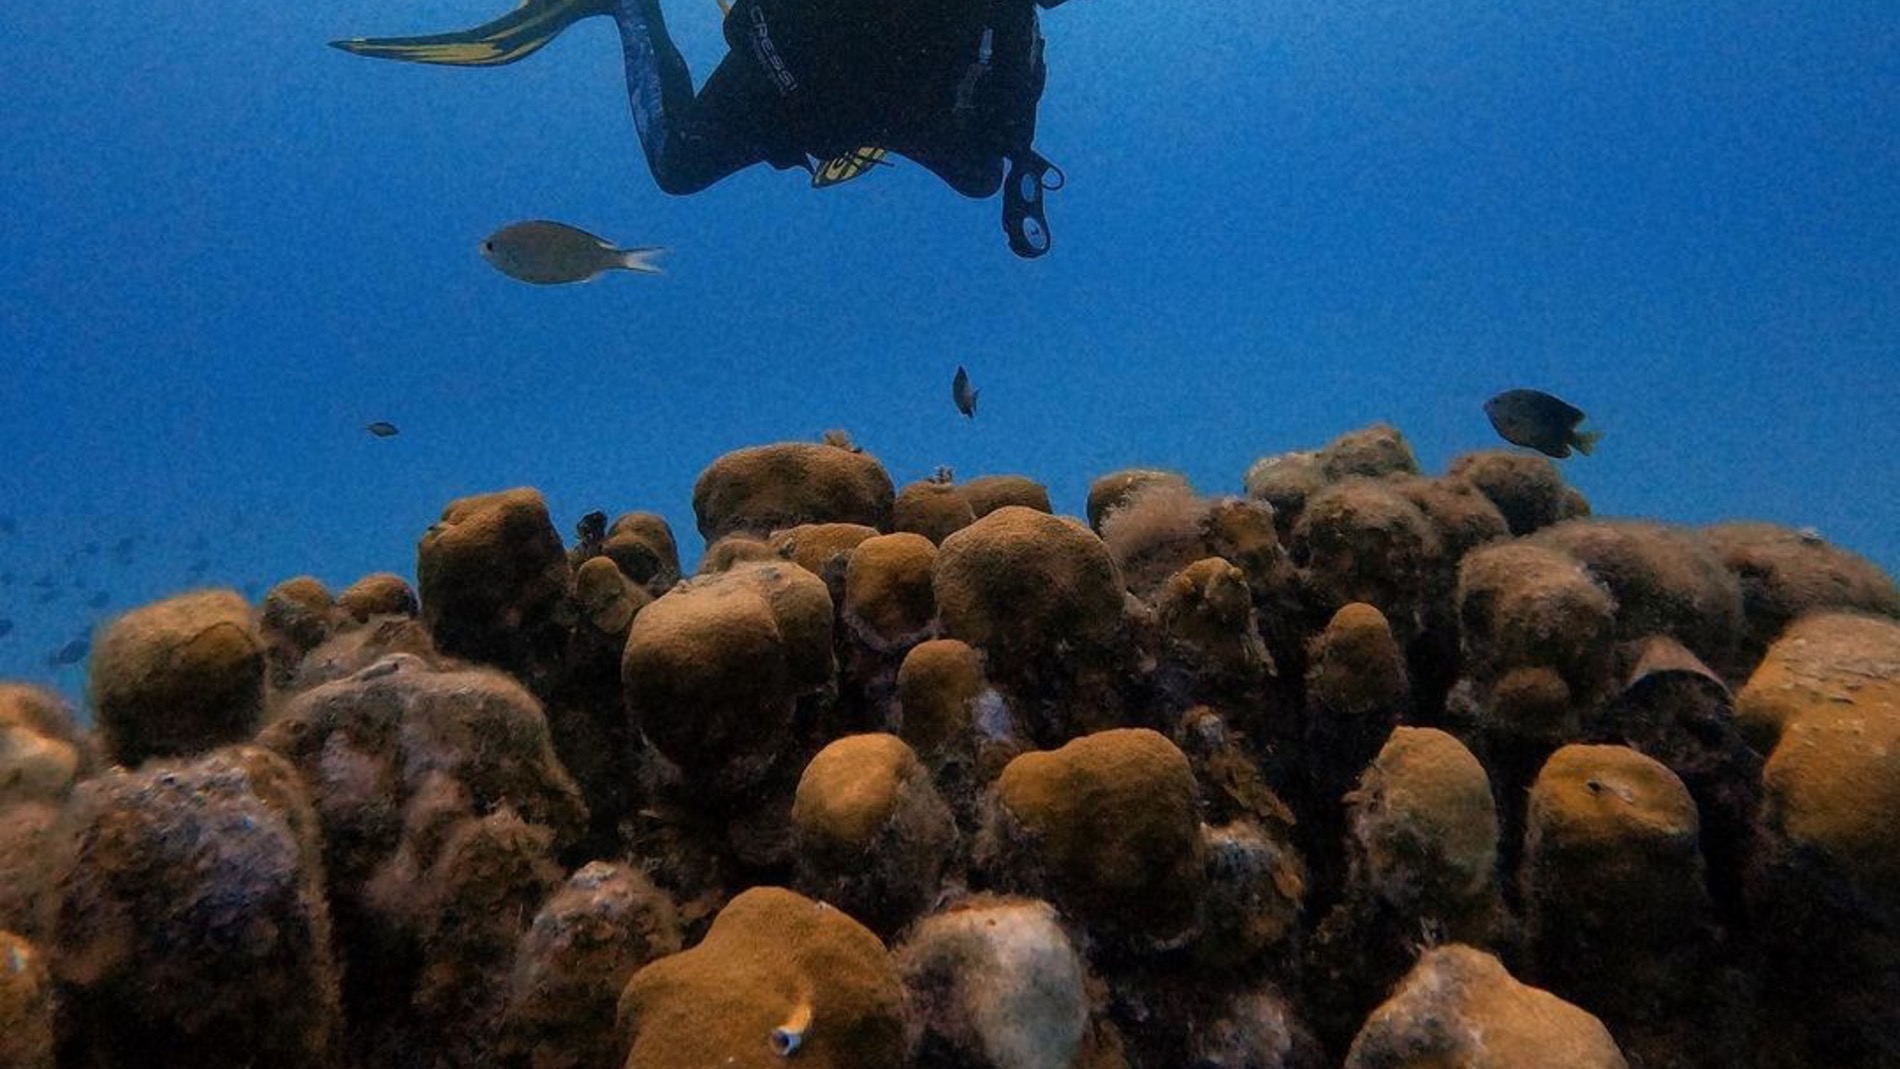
228,247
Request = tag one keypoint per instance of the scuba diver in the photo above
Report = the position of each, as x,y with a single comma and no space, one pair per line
828,85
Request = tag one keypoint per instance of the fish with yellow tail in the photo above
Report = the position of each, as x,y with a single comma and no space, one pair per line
552,254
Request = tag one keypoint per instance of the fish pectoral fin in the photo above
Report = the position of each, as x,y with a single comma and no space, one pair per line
1586,441
516,35
641,259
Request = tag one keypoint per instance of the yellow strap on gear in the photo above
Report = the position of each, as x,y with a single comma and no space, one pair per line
848,166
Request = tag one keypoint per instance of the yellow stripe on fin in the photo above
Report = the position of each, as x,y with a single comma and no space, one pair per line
513,36
848,166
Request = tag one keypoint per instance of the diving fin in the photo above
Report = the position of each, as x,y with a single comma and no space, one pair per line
1585,441
513,36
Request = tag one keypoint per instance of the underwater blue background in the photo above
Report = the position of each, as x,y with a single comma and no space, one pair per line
228,247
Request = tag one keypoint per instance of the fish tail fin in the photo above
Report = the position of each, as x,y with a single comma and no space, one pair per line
1586,441
725,8
641,259
513,36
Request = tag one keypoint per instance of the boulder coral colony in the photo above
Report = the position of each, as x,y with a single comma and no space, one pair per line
1362,767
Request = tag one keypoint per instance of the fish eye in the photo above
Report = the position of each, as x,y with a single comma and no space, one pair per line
488,246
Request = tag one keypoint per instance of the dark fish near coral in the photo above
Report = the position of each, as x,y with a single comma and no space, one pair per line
591,532
551,254
382,428
961,393
71,653
1536,420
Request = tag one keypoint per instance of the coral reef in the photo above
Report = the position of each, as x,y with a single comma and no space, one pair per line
26,1005
1786,574
1825,883
995,982
43,754
1422,841
934,508
1111,491
1527,490
1458,1006
872,833
777,975
715,668
1040,596
378,594
770,487
1331,773
641,545
178,677
296,617
1104,827
193,928
442,808
987,493
607,922
496,586
1617,915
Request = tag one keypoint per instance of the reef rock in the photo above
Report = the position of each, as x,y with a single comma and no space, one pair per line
605,924
987,493
178,677
26,1006
994,982
714,669
777,976
765,488
873,835
1459,1007
193,929
496,584
1528,490
1106,827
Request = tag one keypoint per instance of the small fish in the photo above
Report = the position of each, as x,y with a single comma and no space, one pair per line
550,254
382,428
1536,420
961,393
590,532
71,653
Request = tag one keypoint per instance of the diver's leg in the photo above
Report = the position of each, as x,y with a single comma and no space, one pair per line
689,143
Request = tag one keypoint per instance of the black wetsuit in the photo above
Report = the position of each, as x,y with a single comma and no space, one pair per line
951,84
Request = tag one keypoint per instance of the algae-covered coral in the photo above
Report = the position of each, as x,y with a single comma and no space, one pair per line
1358,767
